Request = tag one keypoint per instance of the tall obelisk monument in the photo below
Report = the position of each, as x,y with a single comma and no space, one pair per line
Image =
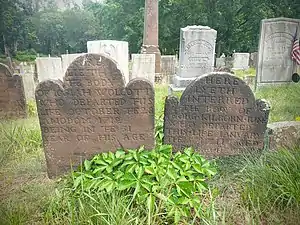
150,40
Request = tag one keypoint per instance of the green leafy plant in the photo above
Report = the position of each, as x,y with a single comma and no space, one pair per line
32,109
159,129
158,179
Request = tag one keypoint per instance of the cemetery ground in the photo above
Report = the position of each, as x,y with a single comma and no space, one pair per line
260,188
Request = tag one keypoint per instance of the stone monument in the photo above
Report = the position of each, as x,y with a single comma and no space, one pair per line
196,55
92,111
150,38
143,66
217,115
49,68
12,97
275,65
117,50
241,61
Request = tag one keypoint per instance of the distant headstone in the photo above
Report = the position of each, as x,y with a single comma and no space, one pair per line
67,59
49,68
217,115
220,62
117,50
12,97
168,65
93,112
143,66
275,65
196,55
253,59
241,61
27,74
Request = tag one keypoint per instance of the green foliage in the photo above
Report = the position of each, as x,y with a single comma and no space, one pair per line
26,56
16,137
272,180
177,181
284,101
32,108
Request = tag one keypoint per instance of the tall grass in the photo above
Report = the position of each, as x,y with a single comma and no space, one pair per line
272,180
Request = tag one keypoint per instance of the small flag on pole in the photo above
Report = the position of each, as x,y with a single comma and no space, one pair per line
296,49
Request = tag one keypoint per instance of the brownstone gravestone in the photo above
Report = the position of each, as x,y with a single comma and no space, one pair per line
12,97
93,112
217,115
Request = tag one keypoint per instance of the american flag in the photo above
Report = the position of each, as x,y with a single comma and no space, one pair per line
296,49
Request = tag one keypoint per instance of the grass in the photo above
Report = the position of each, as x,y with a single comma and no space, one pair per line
249,189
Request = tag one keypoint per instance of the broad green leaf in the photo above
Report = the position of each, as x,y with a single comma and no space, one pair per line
198,168
129,176
120,154
149,170
172,173
87,165
125,184
189,152
101,162
186,188
77,181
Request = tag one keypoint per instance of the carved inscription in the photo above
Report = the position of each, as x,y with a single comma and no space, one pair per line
217,115
275,64
12,96
199,54
92,112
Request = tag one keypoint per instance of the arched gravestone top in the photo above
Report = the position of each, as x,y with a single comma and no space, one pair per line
92,111
217,115
12,97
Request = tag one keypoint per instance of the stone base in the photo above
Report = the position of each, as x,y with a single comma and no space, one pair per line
172,88
153,49
181,82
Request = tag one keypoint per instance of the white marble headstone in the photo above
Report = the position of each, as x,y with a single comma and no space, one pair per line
143,66
49,68
197,50
241,61
274,56
117,50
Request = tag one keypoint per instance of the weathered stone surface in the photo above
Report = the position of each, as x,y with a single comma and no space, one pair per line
168,66
92,112
27,74
49,68
143,66
67,59
274,56
12,97
117,50
284,135
217,115
150,37
253,59
241,61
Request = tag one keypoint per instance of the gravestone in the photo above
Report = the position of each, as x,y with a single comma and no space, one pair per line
220,62
217,115
117,50
12,97
27,74
49,68
93,112
143,66
67,59
241,61
150,36
253,59
275,65
168,65
196,54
